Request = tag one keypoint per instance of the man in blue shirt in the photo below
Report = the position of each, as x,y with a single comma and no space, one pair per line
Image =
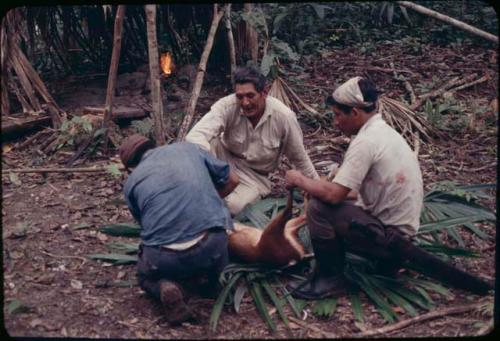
175,193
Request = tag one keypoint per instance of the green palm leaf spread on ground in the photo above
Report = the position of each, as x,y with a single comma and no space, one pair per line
446,208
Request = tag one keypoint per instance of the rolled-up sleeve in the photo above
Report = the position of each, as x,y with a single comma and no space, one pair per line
294,148
212,124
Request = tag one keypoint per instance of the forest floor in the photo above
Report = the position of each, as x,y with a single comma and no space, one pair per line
50,221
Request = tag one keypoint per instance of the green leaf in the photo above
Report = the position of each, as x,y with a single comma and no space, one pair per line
277,21
219,303
431,286
400,301
396,285
256,293
266,63
356,307
448,223
128,248
319,9
296,304
278,303
383,307
16,306
113,170
477,231
238,296
449,251
121,229
325,307
99,132
114,258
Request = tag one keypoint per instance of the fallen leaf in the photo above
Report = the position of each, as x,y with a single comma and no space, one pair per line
20,230
102,237
36,322
6,148
14,179
76,284
64,332
16,254
120,275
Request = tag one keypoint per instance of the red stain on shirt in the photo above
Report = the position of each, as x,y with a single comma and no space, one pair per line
400,178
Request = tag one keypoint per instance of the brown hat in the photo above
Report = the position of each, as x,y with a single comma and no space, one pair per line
132,149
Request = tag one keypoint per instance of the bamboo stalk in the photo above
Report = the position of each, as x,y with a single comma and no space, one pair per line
449,20
113,70
154,69
188,118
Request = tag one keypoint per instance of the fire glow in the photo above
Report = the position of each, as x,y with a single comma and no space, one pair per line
166,63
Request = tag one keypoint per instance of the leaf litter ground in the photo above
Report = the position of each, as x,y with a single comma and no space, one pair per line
50,222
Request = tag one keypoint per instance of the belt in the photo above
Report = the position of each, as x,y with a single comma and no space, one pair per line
264,173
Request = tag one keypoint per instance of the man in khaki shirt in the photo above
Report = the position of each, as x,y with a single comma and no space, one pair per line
251,131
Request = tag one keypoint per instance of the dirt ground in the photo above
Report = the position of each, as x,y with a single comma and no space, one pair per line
50,220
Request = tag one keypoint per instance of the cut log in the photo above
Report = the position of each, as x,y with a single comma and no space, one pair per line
118,112
15,129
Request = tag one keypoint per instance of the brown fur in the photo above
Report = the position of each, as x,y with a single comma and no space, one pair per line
276,245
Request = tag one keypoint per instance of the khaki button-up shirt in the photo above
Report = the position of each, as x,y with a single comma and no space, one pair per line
278,132
380,165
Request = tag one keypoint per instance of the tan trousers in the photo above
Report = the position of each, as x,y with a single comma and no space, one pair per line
252,186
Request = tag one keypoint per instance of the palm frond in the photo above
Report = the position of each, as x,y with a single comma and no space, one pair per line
114,258
221,299
121,229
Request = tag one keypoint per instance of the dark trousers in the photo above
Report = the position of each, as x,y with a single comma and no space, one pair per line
330,226
201,263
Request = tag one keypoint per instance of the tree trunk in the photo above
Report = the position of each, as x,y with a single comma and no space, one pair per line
188,118
449,20
251,36
113,70
154,69
230,41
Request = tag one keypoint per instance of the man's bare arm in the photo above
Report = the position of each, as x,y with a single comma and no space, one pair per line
231,184
326,191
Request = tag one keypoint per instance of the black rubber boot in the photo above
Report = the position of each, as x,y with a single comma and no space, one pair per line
328,279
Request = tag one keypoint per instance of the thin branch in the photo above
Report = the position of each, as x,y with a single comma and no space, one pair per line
188,118
428,316
449,20
58,170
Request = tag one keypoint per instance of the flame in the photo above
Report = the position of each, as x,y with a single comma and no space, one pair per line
166,63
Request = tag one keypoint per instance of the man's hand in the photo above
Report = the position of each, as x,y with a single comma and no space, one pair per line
293,178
